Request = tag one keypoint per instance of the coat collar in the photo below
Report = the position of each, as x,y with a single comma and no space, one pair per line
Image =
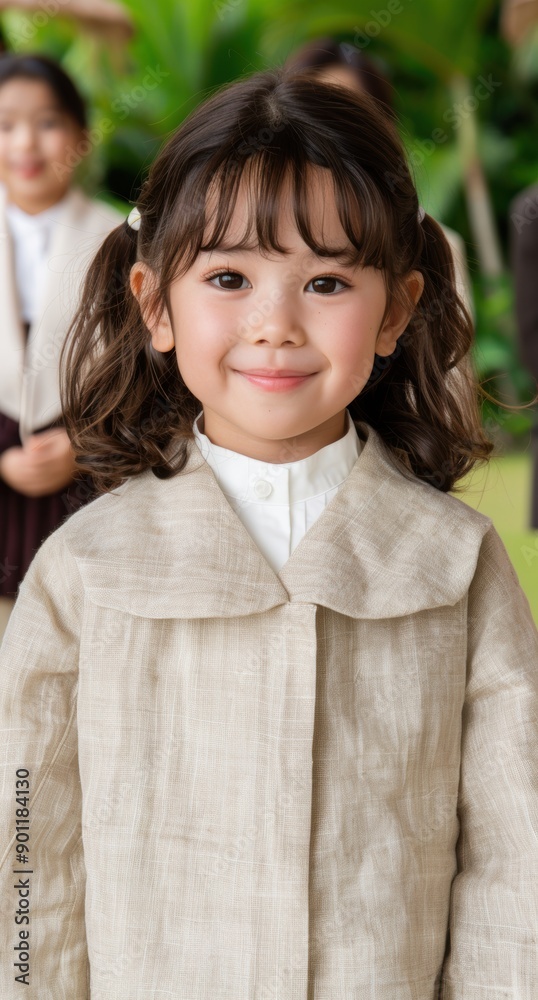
386,545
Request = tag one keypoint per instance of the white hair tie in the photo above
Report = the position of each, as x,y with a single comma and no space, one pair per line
133,219
421,213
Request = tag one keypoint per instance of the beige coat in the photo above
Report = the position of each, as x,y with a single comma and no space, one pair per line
29,371
247,786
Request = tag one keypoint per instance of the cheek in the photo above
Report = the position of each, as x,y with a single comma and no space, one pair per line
210,331
59,146
352,355
198,357
354,348
7,140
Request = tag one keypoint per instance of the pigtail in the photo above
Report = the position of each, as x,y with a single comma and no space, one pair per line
120,398
424,400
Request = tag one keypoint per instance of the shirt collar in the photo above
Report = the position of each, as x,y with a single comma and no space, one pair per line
22,222
248,479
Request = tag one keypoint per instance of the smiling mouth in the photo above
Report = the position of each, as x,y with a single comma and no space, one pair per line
275,381
28,170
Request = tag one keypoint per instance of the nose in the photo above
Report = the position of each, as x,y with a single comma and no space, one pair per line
273,322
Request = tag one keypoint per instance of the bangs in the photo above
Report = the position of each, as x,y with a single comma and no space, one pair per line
273,178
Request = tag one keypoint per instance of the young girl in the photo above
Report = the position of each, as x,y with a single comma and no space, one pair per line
49,230
269,704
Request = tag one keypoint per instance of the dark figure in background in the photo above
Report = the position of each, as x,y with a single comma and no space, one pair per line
524,255
346,65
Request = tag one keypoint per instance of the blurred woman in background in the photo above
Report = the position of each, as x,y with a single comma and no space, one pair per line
49,230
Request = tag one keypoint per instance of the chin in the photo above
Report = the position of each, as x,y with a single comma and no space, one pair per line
285,433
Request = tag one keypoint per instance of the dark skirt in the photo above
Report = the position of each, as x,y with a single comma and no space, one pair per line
25,521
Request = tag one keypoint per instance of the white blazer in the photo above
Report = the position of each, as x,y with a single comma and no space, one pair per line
29,390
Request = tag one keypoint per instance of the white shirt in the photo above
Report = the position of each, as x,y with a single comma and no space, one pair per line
31,236
278,503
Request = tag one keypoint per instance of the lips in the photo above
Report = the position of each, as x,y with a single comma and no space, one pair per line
275,372
275,380
28,169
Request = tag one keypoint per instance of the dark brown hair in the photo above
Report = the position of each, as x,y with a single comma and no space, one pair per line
126,406
33,66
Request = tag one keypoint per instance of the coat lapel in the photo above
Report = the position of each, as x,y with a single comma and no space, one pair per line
172,548
80,229
29,390
12,341
385,546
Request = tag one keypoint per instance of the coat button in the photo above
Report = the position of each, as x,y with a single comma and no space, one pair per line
263,488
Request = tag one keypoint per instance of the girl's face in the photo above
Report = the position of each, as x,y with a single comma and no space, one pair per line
38,144
276,347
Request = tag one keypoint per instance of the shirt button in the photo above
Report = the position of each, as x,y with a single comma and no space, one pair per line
263,488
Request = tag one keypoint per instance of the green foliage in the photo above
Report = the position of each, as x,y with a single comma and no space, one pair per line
497,361
183,50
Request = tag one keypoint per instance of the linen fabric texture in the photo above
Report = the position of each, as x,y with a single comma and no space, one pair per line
313,785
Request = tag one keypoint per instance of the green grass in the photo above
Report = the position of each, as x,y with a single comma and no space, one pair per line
501,490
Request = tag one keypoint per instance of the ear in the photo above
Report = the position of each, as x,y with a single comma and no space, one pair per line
143,281
399,315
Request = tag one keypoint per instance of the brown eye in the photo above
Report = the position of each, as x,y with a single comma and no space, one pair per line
229,279
326,285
